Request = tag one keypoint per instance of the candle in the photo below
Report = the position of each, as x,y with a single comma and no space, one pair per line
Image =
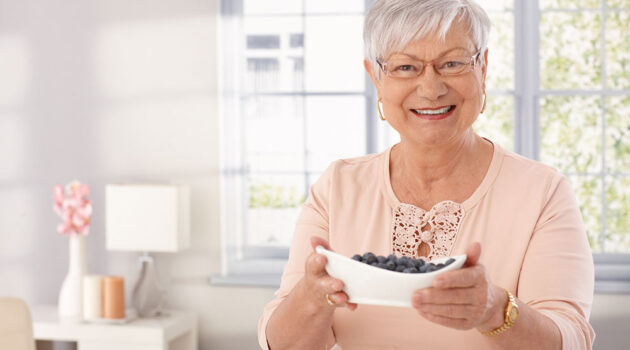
113,297
92,297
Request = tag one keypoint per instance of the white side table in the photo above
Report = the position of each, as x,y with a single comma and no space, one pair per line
176,330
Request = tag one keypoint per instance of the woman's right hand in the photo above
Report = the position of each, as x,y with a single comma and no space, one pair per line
319,286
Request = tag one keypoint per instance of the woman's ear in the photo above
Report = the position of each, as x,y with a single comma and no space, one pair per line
369,68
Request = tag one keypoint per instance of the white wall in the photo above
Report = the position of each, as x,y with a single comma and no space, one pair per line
118,90
106,91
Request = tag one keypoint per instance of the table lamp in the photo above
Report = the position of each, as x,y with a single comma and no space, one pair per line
147,218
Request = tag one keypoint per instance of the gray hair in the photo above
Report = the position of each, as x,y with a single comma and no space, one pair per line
390,25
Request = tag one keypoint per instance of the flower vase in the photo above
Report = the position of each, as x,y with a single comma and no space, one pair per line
70,305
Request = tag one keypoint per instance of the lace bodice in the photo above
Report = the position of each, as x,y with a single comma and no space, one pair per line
437,228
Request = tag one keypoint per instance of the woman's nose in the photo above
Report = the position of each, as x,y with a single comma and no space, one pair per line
430,84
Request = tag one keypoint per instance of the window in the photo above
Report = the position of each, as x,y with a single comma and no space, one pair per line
584,100
295,98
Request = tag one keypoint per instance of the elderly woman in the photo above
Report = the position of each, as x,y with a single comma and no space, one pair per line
443,190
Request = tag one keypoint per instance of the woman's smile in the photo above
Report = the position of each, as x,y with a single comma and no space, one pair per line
434,113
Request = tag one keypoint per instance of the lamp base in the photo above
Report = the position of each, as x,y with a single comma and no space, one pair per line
147,296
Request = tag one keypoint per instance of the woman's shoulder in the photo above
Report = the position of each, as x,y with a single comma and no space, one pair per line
518,170
514,161
355,170
359,164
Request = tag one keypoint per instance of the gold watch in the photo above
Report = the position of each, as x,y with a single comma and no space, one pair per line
511,314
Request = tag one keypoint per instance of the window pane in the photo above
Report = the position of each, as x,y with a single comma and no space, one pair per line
258,7
501,52
497,122
618,3
569,4
618,134
336,129
335,6
570,50
334,57
618,215
388,136
274,133
274,54
571,133
618,50
588,191
274,205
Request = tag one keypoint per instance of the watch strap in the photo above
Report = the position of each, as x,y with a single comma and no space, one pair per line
507,323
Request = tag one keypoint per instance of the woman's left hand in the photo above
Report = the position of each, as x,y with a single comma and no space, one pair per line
464,298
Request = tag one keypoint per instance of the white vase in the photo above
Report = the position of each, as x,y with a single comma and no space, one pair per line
70,305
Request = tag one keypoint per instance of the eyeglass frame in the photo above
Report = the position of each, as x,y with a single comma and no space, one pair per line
473,64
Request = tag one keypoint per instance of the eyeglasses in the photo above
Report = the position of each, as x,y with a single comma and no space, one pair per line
407,68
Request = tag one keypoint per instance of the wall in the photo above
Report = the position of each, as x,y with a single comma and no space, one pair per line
114,90
107,91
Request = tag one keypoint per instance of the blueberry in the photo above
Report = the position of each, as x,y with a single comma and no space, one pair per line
418,263
449,261
357,257
390,265
410,270
423,268
392,257
381,259
400,268
369,258
405,261
381,265
439,266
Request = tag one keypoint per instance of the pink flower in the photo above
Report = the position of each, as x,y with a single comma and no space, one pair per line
72,205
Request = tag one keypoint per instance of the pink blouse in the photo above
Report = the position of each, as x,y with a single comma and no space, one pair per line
524,214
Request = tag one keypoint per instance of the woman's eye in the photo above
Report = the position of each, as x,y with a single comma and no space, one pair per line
452,64
405,68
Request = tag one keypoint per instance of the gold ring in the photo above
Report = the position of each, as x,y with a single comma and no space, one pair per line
330,300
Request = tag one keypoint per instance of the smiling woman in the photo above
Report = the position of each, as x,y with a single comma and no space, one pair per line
441,191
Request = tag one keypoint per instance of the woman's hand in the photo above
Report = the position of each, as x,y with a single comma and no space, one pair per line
322,289
464,298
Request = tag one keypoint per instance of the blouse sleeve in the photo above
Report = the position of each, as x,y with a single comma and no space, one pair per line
313,221
557,275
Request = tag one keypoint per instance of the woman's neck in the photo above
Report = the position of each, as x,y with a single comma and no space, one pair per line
424,165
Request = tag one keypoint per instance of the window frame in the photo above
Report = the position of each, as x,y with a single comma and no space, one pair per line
262,266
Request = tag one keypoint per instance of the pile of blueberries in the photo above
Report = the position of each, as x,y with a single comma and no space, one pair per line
403,264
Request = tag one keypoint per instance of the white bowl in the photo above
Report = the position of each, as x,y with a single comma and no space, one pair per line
367,284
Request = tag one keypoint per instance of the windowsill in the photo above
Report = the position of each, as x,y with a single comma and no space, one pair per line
612,287
254,280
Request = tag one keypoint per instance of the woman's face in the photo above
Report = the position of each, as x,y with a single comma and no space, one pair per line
432,109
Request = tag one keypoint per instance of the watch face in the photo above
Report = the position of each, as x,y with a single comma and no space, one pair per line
513,314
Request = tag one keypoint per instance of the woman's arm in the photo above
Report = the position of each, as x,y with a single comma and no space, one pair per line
555,286
304,319
300,325
532,330
467,299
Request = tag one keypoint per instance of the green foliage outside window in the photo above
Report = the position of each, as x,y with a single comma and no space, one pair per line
587,136
274,196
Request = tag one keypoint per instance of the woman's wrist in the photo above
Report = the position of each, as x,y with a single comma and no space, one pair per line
496,315
311,304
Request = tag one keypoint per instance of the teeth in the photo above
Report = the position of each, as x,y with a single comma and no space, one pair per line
434,111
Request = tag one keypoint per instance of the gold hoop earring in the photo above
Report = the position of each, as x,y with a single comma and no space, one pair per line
378,107
485,98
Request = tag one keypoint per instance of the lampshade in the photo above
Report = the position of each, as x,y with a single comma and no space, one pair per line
150,218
